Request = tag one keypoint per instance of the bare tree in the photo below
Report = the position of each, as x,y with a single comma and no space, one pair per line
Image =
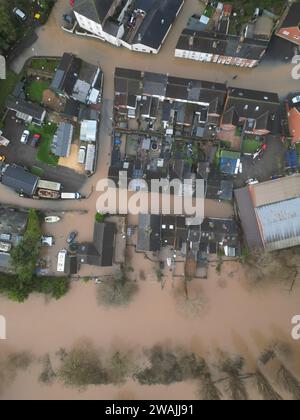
209,390
281,267
289,382
265,388
190,298
118,290
48,374
233,368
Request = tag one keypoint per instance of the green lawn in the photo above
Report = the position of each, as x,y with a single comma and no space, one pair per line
36,89
6,87
44,153
44,64
35,170
250,145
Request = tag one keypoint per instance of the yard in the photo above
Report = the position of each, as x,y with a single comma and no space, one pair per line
250,146
44,64
36,89
245,10
44,153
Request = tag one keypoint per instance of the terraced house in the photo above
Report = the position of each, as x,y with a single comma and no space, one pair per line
139,25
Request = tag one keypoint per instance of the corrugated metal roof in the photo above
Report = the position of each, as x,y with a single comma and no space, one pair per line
280,224
275,191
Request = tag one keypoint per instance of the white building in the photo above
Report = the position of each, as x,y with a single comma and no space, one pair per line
143,29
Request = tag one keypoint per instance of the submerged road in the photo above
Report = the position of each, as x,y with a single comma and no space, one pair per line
53,41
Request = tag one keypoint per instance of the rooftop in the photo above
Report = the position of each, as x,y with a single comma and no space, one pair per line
270,214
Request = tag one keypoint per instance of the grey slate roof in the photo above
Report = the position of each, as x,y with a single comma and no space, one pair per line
161,14
248,218
67,74
262,107
149,233
24,107
132,82
101,251
292,17
62,140
95,10
221,44
20,180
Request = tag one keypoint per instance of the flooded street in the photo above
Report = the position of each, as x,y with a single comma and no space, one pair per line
233,318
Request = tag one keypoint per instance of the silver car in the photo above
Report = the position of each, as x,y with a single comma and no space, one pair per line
25,137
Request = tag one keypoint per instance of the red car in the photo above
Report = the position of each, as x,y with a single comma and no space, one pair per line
264,147
35,140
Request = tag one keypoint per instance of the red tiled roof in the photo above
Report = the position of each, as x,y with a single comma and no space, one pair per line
294,124
291,34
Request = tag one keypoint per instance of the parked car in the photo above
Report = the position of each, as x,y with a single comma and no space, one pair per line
25,137
2,159
19,14
71,238
252,181
296,100
35,140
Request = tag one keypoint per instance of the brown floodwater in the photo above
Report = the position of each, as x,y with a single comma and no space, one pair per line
232,318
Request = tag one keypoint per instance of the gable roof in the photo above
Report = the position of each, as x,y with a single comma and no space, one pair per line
149,233
277,190
62,140
66,74
20,105
17,178
248,218
161,14
294,124
96,10
100,252
261,107
221,44
289,29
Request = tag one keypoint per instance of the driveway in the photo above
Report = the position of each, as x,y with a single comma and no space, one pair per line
25,155
271,164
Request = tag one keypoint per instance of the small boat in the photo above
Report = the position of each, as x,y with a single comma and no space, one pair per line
52,219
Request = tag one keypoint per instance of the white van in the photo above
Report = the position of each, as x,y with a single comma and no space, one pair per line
81,155
70,196
61,261
20,14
